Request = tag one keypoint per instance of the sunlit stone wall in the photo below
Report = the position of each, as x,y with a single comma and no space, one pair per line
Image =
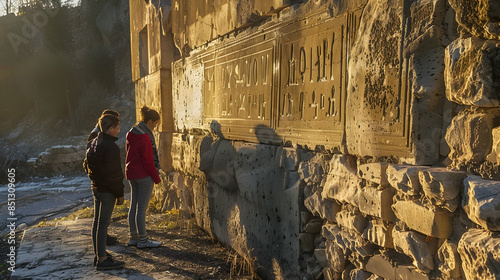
335,139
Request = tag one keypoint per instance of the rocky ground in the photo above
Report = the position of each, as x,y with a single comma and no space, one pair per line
61,249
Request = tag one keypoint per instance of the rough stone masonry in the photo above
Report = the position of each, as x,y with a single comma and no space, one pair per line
336,139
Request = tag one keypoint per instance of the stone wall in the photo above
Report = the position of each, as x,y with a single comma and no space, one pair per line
339,140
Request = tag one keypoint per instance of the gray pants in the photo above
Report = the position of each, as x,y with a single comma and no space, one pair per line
103,208
140,193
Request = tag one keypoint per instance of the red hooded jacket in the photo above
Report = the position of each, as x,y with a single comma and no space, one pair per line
140,159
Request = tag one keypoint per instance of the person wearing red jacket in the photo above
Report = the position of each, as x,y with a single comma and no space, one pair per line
142,170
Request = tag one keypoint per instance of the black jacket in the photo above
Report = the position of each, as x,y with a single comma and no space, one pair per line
103,165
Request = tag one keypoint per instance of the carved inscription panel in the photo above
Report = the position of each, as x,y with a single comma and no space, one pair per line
238,85
312,88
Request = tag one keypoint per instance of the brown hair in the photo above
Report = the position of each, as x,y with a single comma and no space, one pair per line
107,121
149,114
110,112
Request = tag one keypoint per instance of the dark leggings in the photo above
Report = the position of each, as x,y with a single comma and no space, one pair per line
103,208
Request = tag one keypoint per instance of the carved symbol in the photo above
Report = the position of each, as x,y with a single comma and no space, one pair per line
331,108
314,105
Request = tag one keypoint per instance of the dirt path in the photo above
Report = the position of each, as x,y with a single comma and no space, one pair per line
186,252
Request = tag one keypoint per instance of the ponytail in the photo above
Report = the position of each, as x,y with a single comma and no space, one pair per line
149,114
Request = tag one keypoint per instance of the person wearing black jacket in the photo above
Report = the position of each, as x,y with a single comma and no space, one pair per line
103,166
110,240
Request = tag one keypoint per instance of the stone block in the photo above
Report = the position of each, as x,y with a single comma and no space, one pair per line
335,256
480,254
414,245
481,19
348,241
404,178
291,180
342,165
312,171
407,272
352,220
381,266
324,208
307,242
377,202
482,202
441,183
289,159
314,226
63,149
320,255
342,189
470,72
494,156
449,260
431,222
330,274
380,233
374,172
305,217
359,274
469,135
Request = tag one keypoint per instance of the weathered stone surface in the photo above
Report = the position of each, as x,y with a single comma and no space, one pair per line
374,172
219,164
289,158
359,274
404,178
330,274
480,254
449,260
342,165
352,220
307,242
482,202
407,272
335,256
312,171
494,156
422,56
479,17
380,233
441,184
469,135
342,189
348,241
415,246
314,226
470,72
381,266
376,202
432,222
324,208
291,179
320,255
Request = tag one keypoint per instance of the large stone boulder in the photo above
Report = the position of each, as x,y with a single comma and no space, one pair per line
482,202
480,254
470,72
469,135
481,18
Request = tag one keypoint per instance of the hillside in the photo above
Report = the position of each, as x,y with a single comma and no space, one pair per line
60,67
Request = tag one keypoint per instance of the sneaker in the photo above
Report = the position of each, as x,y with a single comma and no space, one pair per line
111,240
148,243
107,255
133,242
109,263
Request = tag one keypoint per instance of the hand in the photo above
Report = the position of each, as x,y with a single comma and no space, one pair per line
120,200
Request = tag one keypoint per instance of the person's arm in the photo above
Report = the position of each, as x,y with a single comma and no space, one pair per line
148,160
114,171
